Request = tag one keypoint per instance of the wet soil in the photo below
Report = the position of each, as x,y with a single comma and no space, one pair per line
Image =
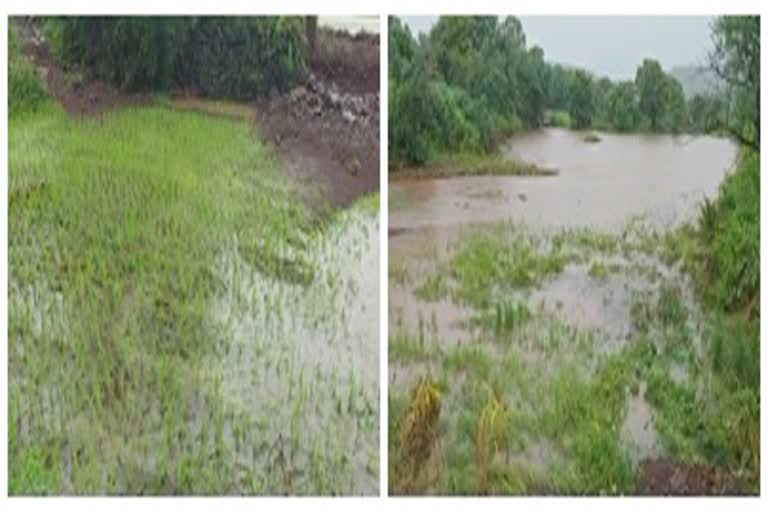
326,129
662,477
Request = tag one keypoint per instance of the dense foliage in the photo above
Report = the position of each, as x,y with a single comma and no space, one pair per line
25,89
736,61
479,75
235,57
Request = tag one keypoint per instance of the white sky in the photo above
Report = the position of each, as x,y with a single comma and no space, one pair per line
611,46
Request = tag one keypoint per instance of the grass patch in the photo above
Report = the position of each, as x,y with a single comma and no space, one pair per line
488,263
116,225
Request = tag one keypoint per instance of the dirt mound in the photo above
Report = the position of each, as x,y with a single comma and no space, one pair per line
328,127
351,62
664,478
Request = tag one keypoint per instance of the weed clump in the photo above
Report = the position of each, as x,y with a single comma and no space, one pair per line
491,436
418,429
510,316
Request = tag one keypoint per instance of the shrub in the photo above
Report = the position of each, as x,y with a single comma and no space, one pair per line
132,52
234,57
243,57
428,116
735,258
26,91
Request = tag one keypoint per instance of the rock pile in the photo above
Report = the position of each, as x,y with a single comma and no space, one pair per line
316,99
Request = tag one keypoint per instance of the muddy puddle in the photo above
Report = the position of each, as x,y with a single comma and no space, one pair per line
300,363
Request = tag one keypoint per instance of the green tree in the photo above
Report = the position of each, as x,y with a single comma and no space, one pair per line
675,113
705,113
623,111
582,101
650,82
736,60
402,48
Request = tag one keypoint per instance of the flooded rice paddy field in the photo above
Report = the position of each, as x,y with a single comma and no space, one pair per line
178,322
551,315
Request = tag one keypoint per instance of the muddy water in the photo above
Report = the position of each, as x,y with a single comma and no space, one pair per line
301,363
599,185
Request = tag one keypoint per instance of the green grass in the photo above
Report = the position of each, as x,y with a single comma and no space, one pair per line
488,263
558,118
117,230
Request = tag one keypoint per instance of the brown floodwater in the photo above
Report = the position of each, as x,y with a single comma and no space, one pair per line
659,179
599,185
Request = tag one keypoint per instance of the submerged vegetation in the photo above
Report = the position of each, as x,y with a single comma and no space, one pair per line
570,360
536,405
167,293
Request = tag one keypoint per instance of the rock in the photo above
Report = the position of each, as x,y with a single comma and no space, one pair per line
349,116
353,166
298,93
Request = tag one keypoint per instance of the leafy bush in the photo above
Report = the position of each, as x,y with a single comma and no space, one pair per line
26,91
735,255
235,57
243,57
430,116
133,52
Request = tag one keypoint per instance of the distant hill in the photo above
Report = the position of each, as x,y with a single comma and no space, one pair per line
697,80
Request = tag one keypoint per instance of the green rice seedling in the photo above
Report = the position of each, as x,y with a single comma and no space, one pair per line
491,436
511,315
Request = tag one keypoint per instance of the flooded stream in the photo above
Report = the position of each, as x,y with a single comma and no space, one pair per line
661,177
621,192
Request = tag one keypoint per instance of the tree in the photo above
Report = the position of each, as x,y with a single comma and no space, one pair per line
623,111
650,83
402,48
675,113
705,113
582,104
736,60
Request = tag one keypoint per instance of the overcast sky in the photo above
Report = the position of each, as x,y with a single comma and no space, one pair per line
611,46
